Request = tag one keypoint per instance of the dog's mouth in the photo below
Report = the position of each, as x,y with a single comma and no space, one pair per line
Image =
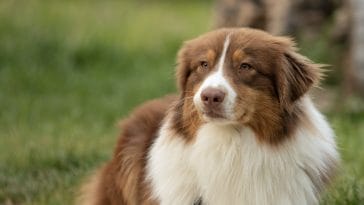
213,114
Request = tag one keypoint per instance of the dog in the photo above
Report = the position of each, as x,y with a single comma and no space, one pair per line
242,130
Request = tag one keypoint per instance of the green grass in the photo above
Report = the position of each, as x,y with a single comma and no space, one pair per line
69,70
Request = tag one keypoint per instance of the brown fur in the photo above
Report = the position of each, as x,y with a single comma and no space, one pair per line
267,102
121,181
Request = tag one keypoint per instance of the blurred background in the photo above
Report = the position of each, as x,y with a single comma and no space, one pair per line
69,70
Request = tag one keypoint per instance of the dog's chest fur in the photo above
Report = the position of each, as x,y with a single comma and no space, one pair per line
227,165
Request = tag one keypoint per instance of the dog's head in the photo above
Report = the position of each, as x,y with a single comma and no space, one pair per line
242,76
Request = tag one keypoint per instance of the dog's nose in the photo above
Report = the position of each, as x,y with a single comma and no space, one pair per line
212,96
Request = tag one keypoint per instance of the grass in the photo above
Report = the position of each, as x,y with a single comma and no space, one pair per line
69,70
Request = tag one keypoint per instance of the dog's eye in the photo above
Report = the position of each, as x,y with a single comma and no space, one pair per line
204,64
245,66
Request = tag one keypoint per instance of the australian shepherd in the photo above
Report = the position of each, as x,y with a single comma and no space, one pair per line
242,130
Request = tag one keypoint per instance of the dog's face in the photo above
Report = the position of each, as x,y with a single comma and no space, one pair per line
242,76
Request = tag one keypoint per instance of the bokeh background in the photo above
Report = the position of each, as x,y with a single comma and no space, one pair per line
69,70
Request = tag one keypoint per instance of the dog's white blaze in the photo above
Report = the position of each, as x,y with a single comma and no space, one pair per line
220,64
218,80
226,165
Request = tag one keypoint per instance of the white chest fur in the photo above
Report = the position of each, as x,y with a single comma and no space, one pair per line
226,165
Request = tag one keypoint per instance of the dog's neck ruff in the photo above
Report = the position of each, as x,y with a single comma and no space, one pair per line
228,165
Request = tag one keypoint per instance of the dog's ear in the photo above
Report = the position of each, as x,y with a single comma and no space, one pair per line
183,69
297,74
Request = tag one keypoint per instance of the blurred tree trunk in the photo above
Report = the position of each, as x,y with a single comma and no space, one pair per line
269,15
357,45
239,13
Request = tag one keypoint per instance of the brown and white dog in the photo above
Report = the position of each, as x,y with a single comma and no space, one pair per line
242,131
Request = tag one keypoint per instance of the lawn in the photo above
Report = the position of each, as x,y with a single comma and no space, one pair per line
69,70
